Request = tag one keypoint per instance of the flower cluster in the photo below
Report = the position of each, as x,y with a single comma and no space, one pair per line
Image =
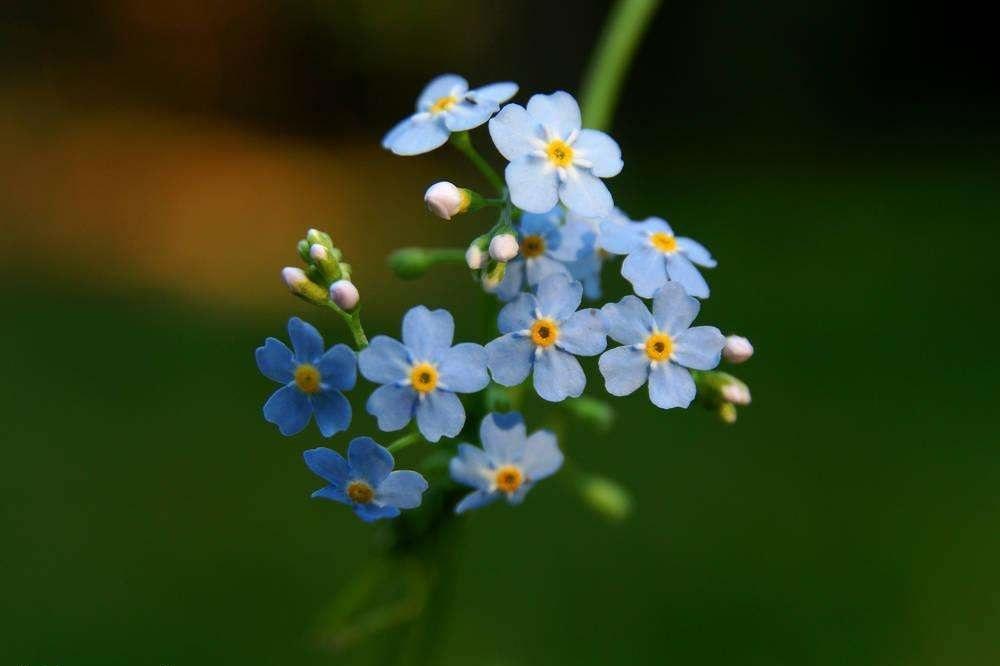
556,228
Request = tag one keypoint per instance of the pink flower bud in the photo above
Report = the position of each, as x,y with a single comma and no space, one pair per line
474,257
294,278
445,200
737,350
318,253
344,294
737,393
503,247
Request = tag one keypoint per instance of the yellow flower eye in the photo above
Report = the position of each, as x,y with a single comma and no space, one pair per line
508,478
663,242
307,378
544,332
360,492
559,153
424,377
659,347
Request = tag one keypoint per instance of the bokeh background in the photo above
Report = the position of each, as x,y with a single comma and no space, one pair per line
159,160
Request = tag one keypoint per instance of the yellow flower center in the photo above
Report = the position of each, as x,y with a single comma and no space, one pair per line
508,478
360,492
424,377
659,347
307,378
443,104
544,332
559,153
532,246
663,242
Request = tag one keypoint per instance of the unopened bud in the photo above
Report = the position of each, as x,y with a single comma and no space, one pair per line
303,248
727,413
503,247
606,497
446,201
736,392
317,237
409,262
737,350
344,294
300,285
494,276
318,253
474,257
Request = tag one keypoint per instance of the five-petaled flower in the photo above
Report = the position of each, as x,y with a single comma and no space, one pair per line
552,159
365,481
509,463
446,105
588,268
421,376
659,347
544,331
313,381
655,256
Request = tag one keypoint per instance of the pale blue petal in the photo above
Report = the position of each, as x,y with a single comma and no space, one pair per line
463,368
696,252
439,414
514,132
496,92
558,296
539,268
384,360
371,512
670,386
681,270
518,495
471,467
544,224
332,493
652,225
673,309
558,376
402,489
624,368
289,409
620,238
369,460
274,360
475,500
559,112
533,185
512,282
503,436
699,348
628,321
518,315
332,411
427,333
585,194
601,151
468,115
583,333
577,241
417,135
646,270
542,457
588,272
306,340
441,86
510,358
328,465
338,368
392,405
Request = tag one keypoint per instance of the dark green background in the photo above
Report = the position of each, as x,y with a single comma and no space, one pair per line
150,516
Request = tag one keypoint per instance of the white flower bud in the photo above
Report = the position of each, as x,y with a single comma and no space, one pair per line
344,294
736,393
503,247
445,200
318,253
737,350
474,257
294,278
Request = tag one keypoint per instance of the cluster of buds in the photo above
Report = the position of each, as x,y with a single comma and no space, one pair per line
720,391
326,278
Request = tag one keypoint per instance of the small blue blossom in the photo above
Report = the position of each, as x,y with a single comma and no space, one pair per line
655,256
365,481
547,247
313,381
543,333
588,268
446,105
552,159
421,375
509,463
659,347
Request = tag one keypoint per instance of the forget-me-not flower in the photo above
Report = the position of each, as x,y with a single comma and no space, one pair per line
655,256
588,268
552,159
421,375
509,463
365,481
446,105
659,347
313,381
544,332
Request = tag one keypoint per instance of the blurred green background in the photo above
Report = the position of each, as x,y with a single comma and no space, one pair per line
161,159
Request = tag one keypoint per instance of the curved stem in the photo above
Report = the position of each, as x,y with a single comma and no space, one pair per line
405,441
463,143
353,321
610,61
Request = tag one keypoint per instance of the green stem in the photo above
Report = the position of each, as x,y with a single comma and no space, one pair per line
603,81
353,321
463,143
405,441
439,255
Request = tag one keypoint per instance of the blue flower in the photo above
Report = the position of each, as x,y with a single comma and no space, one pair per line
446,105
365,481
543,332
509,463
547,247
655,256
552,159
659,347
421,376
588,268
312,380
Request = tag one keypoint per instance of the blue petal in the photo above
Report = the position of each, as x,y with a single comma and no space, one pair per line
559,296
496,92
518,315
680,269
696,252
384,360
468,115
652,225
471,467
577,241
646,270
328,465
413,136
699,348
510,358
558,376
332,493
275,361
333,412
628,321
439,414
289,409
441,86
338,368
541,457
624,368
371,512
542,224
306,341
503,436
620,238
601,151
463,368
586,194
427,333
513,280
402,489
588,272
514,132
533,186
673,309
583,333
475,500
540,267
369,460
392,405
670,386
558,112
